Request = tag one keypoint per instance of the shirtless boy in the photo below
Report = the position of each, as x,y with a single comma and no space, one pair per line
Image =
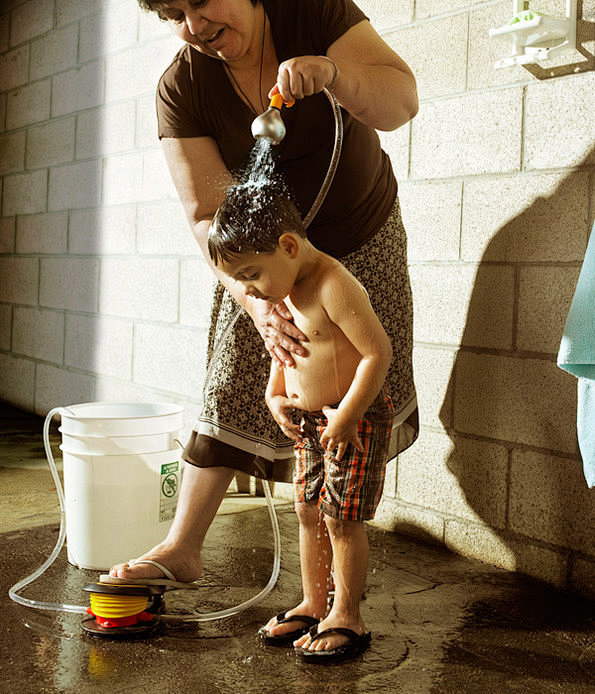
342,441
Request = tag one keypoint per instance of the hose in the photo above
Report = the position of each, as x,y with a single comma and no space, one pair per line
13,592
80,609
205,616
332,168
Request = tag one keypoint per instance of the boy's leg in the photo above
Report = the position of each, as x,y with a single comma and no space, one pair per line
315,561
315,547
350,495
350,554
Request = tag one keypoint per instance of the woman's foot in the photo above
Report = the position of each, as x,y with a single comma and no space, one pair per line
184,566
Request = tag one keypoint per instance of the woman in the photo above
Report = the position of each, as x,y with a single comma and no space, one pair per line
234,51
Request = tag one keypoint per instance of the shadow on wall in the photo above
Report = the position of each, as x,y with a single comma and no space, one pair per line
510,411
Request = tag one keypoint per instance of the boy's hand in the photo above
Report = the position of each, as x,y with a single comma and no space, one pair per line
281,408
339,433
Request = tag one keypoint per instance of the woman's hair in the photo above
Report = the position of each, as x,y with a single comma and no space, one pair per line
156,5
250,220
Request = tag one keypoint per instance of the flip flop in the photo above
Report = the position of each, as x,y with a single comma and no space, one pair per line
288,637
169,580
356,645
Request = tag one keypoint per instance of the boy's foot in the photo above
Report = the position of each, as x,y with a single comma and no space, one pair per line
292,624
354,644
286,628
185,568
314,641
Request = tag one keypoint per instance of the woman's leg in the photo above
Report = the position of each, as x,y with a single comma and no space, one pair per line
201,493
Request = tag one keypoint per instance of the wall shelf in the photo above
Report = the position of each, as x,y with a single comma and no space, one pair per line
537,37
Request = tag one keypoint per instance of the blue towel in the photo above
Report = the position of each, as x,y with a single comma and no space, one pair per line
577,356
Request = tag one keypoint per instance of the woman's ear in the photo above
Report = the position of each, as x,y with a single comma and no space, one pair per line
289,244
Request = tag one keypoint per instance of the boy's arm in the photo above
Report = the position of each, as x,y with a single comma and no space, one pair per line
347,304
279,404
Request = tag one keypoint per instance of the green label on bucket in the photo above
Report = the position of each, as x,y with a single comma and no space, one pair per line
168,498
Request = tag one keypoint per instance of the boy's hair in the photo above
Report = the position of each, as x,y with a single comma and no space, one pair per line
252,221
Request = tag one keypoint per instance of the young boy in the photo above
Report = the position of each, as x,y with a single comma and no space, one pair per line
342,442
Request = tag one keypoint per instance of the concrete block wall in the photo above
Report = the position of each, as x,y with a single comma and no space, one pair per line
101,283
103,290
497,192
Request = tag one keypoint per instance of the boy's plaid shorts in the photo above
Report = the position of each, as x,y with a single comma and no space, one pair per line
350,488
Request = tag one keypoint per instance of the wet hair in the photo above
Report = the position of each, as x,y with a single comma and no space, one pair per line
156,5
252,220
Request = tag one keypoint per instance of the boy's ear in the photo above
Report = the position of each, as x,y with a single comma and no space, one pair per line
289,244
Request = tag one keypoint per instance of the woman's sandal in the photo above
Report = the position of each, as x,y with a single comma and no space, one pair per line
288,637
168,580
356,645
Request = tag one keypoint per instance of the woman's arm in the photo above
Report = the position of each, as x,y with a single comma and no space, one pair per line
200,178
372,82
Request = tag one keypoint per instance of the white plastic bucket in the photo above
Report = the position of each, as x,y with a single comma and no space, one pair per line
121,418
118,507
120,498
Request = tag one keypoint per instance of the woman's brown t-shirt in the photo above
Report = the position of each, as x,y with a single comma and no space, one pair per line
196,99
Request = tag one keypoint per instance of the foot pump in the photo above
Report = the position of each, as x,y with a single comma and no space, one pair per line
123,612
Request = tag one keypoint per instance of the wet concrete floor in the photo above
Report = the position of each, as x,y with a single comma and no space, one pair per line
440,623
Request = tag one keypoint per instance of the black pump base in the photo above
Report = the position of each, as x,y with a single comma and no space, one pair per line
137,631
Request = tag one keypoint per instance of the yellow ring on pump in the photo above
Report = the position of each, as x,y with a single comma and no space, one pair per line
117,606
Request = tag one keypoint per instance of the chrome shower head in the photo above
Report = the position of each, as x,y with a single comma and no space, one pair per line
270,124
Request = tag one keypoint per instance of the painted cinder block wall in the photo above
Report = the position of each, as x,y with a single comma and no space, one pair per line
103,292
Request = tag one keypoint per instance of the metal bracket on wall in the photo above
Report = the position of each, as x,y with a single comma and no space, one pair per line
537,37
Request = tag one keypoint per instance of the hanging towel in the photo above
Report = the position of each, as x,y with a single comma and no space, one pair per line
577,356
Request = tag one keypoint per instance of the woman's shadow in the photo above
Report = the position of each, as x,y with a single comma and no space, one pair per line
509,411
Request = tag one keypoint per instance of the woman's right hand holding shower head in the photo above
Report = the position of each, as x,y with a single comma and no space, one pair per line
304,76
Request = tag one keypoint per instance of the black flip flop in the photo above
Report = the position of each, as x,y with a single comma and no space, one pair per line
356,645
284,639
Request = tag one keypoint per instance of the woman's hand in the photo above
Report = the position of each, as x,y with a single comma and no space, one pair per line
339,432
274,322
304,76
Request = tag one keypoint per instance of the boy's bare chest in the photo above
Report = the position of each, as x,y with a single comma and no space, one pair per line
310,317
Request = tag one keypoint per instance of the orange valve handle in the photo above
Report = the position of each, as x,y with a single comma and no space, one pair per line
277,102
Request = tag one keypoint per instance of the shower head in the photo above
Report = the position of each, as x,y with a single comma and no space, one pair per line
270,124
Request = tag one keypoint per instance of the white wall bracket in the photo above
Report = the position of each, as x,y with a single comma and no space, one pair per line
536,37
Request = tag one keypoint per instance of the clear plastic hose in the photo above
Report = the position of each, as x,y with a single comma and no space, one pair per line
81,609
324,188
220,614
332,168
13,592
